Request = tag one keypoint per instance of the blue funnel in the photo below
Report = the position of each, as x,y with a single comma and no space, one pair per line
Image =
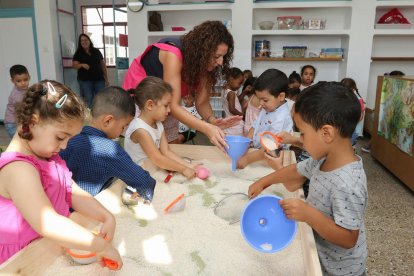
238,146
264,225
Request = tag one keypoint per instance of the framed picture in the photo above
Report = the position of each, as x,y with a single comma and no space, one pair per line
315,24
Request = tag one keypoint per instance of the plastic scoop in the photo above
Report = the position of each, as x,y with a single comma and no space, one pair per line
238,145
271,143
178,204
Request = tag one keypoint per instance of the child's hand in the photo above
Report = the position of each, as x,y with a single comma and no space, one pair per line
295,209
254,190
189,173
111,254
274,162
107,230
242,163
227,122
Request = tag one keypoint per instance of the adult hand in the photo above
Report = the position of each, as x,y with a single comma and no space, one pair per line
216,137
227,122
85,66
295,209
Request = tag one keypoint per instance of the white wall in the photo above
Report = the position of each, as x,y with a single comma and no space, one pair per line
15,49
48,40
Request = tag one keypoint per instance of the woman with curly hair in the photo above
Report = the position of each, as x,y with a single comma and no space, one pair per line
189,64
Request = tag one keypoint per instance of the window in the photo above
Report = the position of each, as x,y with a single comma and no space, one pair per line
99,24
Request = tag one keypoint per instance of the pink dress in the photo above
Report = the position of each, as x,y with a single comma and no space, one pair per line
251,114
238,128
15,231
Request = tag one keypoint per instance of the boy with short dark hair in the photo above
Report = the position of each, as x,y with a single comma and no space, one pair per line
94,159
20,78
326,115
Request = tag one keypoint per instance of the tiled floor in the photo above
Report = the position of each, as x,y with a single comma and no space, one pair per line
389,218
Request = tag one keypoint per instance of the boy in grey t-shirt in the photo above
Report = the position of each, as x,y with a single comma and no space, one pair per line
326,115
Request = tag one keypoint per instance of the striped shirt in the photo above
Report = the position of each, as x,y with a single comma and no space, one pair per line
94,160
341,195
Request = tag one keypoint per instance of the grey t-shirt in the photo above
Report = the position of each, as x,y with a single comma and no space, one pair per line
342,195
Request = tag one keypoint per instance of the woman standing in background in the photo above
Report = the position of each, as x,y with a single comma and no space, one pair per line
92,74
189,63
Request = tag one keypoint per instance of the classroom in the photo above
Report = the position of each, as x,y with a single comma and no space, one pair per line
175,137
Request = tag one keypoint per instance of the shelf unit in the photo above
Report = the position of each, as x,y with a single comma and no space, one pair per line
350,25
391,48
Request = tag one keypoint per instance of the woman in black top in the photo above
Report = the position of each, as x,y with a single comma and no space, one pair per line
92,74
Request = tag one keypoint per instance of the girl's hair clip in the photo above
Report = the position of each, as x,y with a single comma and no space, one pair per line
61,101
51,89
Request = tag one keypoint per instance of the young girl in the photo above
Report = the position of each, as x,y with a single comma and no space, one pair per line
36,188
145,136
275,115
350,83
307,73
251,104
231,102
294,80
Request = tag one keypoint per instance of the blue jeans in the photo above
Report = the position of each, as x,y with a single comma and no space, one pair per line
88,90
11,128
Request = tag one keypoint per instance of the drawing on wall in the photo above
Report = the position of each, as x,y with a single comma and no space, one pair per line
396,114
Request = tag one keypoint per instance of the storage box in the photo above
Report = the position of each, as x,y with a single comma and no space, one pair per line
294,51
314,24
289,23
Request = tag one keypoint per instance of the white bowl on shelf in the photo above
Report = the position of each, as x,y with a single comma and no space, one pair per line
266,25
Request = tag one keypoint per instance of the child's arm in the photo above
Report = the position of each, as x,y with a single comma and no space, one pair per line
299,210
250,133
22,183
250,157
288,138
289,176
231,99
88,206
155,154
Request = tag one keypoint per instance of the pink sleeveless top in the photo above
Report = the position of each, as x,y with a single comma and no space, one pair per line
15,231
136,72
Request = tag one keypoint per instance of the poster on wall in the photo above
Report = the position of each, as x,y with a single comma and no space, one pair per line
396,114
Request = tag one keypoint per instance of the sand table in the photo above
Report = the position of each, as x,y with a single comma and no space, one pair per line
193,241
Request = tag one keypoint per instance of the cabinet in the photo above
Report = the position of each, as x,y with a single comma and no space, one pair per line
392,135
350,25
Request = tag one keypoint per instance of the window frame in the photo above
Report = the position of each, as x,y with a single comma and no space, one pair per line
103,24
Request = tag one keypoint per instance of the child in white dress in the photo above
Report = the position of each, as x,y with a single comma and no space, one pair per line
145,137
231,102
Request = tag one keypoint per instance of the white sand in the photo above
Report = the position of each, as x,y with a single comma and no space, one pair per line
193,241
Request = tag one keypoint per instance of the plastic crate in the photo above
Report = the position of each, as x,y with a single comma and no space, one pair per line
294,51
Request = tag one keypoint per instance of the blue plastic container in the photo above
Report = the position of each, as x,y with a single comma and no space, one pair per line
265,226
238,145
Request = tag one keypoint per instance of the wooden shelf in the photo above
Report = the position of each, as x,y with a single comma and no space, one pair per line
392,58
297,59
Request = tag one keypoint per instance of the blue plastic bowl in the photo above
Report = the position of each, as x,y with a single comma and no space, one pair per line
264,225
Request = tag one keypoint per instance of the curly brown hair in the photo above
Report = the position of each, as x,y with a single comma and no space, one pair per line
39,100
199,47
